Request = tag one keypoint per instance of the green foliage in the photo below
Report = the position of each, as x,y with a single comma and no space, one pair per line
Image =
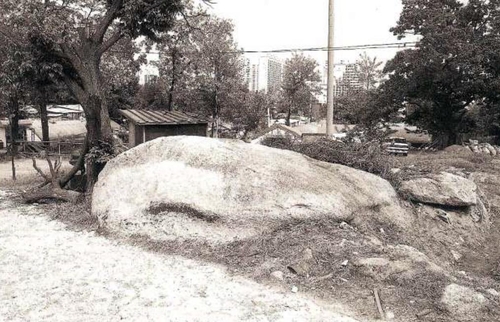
251,115
300,82
369,71
100,153
454,64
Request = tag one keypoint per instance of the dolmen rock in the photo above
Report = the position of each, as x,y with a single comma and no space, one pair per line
196,187
444,189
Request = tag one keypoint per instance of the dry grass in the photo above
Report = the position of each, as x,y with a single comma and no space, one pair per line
76,216
331,244
368,156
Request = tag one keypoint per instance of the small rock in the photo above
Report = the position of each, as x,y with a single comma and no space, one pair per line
303,265
344,263
424,313
344,225
295,289
443,215
442,189
278,275
491,149
395,170
493,292
372,262
456,255
390,315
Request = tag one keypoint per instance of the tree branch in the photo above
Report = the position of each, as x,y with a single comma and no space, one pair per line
107,20
40,172
78,166
74,87
110,42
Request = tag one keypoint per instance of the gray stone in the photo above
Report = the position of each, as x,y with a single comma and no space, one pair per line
372,262
456,255
222,190
441,189
463,303
491,149
278,275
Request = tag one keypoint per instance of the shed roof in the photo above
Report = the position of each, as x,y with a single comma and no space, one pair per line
147,117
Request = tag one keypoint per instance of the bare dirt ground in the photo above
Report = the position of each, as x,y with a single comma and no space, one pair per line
49,273
24,170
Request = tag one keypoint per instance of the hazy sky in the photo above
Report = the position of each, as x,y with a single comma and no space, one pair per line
277,24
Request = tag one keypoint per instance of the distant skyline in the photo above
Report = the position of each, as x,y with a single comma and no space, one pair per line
289,24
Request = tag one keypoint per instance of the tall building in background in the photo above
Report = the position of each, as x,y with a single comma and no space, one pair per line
265,74
351,81
347,78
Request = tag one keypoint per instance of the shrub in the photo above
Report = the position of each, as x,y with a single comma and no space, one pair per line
366,156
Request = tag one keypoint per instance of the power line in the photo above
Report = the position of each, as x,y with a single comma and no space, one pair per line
396,45
340,48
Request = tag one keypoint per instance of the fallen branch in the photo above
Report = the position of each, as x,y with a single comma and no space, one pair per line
51,188
77,167
379,305
50,193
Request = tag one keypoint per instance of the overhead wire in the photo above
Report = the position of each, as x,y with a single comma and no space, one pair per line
395,45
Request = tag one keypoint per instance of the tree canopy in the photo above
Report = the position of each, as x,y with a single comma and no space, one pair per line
455,64
75,35
300,81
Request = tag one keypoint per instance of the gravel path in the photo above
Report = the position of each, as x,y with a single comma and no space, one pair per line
48,273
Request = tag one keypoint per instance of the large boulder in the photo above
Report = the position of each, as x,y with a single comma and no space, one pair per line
444,189
192,187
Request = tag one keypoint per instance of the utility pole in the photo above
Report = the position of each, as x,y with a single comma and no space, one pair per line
331,69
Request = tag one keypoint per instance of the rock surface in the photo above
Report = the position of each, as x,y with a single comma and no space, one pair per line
463,303
193,187
441,189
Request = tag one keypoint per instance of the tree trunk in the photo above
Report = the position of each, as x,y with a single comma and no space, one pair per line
172,83
14,133
99,141
447,138
99,138
89,89
44,118
288,116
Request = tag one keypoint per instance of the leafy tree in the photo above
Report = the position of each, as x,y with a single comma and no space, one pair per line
76,35
151,96
369,71
300,82
454,64
201,68
251,115
178,55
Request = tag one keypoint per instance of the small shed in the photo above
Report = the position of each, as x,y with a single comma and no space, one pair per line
146,125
